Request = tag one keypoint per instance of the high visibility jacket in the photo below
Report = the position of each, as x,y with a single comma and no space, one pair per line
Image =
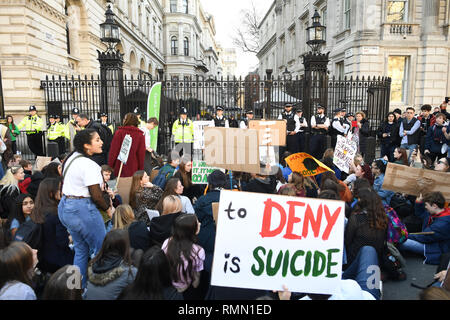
32,124
184,133
55,131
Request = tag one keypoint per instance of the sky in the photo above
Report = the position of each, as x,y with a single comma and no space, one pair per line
226,17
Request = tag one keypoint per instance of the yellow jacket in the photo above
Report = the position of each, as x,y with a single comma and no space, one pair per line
32,124
184,133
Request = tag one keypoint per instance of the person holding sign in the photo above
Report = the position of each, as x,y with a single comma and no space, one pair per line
136,155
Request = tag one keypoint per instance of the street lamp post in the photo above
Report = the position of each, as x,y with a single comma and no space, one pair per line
111,66
316,67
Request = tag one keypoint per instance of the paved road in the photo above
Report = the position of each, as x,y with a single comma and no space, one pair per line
417,272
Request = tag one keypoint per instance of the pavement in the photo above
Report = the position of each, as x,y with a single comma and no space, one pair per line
417,273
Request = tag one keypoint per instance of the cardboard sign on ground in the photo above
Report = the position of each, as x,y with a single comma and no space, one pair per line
272,133
414,181
265,241
232,149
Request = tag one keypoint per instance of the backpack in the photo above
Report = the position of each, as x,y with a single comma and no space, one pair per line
164,174
401,205
30,233
397,231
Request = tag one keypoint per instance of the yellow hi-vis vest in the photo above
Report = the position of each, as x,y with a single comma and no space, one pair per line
32,124
184,133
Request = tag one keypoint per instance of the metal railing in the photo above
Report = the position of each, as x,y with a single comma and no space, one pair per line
24,149
265,96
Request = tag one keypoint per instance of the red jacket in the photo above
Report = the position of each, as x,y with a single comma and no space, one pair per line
137,153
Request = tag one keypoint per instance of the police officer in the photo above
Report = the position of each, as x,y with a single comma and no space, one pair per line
138,113
183,132
33,125
219,120
55,133
245,122
104,122
288,115
339,126
72,128
301,126
319,129
62,134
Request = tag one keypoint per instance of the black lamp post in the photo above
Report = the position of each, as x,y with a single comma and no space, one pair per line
287,75
111,68
316,68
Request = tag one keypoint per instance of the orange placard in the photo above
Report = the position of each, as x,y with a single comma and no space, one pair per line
306,165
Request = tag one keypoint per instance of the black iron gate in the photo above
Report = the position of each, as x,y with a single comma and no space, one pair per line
266,97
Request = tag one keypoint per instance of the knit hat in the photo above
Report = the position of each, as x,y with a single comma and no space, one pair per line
217,179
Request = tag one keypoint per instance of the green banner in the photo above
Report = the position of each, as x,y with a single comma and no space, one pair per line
153,108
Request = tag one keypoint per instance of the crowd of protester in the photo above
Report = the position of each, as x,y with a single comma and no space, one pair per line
161,244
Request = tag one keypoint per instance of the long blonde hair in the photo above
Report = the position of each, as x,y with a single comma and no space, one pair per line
171,204
123,216
9,181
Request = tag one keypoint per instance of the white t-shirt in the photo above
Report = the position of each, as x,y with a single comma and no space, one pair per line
15,290
82,173
146,136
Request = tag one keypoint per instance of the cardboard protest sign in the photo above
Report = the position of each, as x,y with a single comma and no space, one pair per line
125,149
306,164
271,133
232,149
123,189
201,172
266,241
414,181
344,153
199,134
41,162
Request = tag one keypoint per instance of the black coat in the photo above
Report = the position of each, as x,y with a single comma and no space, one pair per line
268,186
139,236
161,227
393,139
55,252
364,132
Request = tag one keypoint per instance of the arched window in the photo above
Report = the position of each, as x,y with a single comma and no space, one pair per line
186,46
173,5
185,6
174,45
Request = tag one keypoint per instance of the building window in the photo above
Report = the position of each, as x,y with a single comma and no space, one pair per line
174,46
398,70
340,69
347,14
185,6
324,16
397,11
186,47
173,5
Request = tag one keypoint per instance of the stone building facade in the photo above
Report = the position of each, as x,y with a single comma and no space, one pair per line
61,37
406,40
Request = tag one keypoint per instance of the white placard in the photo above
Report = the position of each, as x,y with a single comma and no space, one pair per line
344,153
125,149
266,241
199,134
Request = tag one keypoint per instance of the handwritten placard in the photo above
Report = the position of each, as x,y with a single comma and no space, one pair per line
344,153
201,172
199,134
125,149
267,241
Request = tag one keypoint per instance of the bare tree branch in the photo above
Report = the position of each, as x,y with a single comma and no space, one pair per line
246,36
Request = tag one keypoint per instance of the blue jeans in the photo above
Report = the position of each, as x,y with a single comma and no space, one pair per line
412,246
362,270
410,148
85,224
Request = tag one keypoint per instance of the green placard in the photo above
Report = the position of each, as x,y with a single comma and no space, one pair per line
153,108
